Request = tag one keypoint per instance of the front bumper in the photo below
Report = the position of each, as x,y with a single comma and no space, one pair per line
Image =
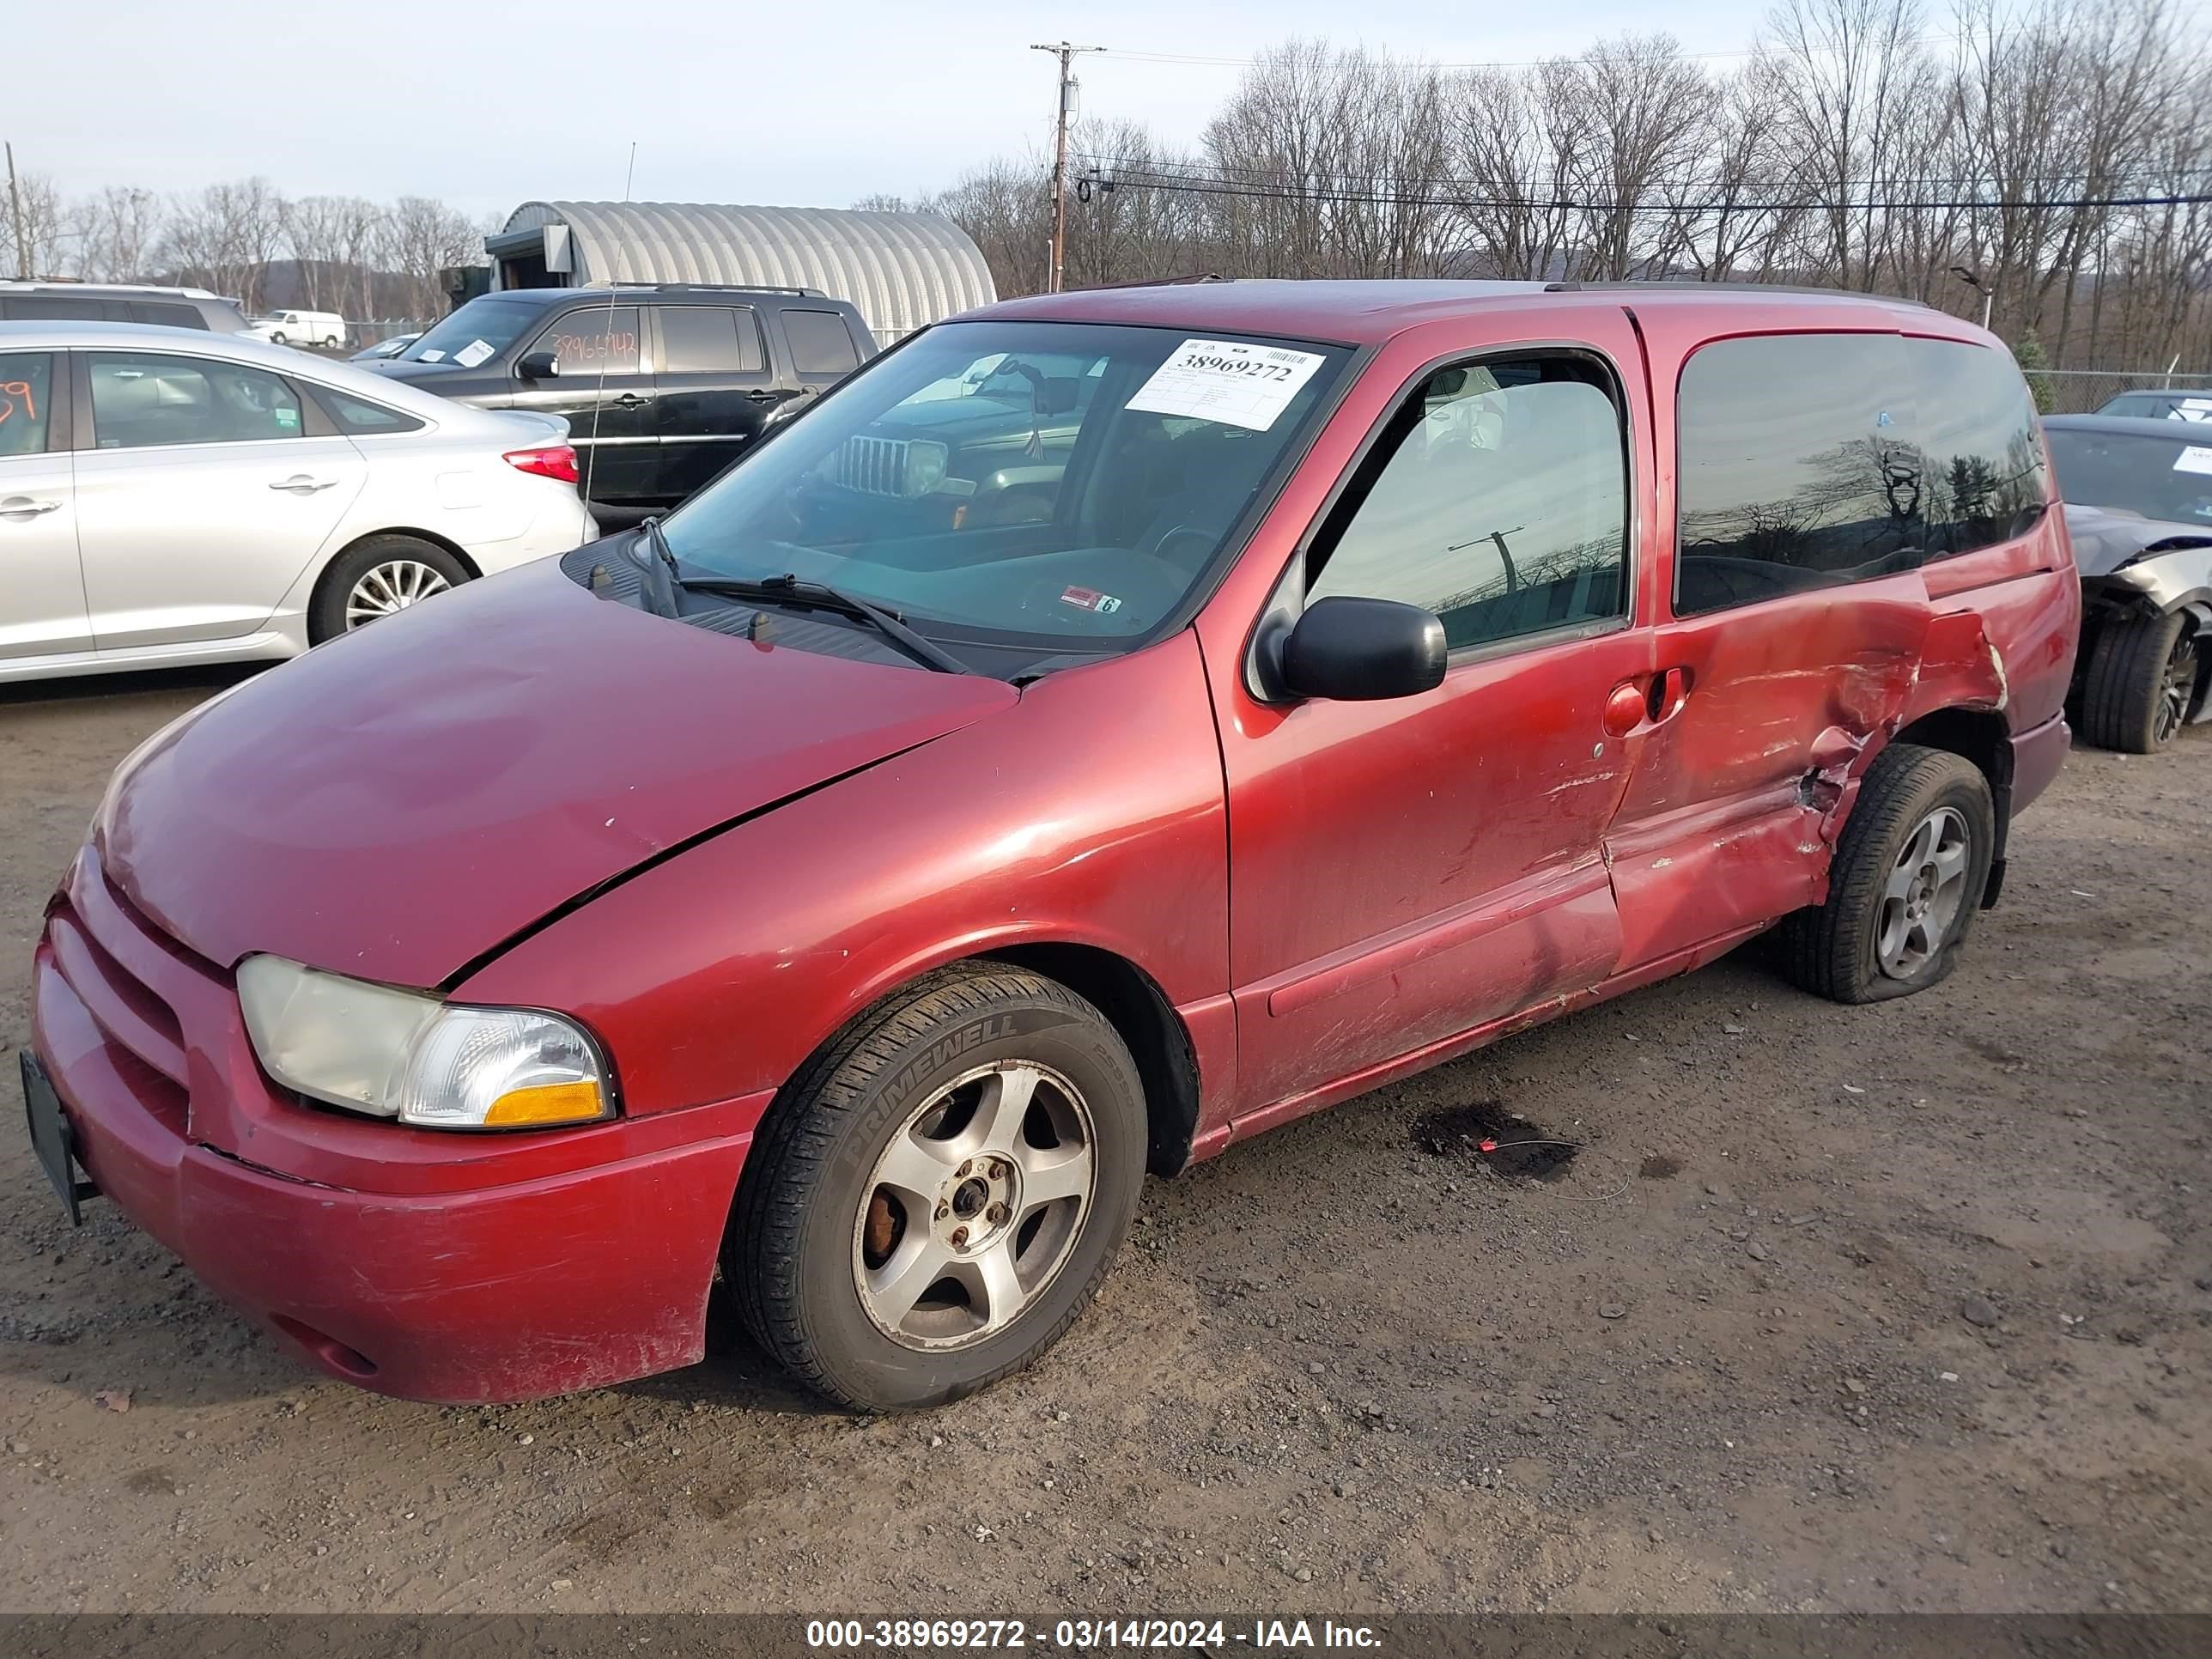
462,1269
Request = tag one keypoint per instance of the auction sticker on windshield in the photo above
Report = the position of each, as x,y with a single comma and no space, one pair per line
473,353
1227,381
2195,458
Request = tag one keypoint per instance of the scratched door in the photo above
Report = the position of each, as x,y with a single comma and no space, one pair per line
1404,871
1798,614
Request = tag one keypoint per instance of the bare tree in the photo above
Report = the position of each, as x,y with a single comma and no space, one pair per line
421,238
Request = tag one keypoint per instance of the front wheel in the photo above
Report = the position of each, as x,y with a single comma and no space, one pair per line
1906,882
938,1194
277,339
2141,680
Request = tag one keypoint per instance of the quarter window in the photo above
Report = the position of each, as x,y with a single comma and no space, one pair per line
709,340
1498,499
25,413
594,340
358,417
1976,426
142,400
1797,468
819,343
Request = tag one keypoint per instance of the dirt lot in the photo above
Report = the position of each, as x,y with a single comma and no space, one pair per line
1903,1307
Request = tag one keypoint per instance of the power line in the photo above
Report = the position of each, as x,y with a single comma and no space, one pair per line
1355,198
1261,174
1190,60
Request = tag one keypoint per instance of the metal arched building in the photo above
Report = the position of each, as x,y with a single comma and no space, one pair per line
902,270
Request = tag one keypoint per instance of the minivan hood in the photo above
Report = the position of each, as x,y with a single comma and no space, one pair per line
400,801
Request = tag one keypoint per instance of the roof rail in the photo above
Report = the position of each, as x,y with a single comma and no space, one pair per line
1693,284
724,288
1195,276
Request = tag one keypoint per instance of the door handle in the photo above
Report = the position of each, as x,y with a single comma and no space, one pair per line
23,509
300,484
1649,700
629,400
761,396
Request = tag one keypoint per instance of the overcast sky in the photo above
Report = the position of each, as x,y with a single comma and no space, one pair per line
791,104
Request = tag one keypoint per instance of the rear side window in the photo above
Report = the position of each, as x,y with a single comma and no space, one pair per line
1797,467
26,379
1977,428
820,344
140,401
1499,500
591,340
357,418
167,316
62,309
709,340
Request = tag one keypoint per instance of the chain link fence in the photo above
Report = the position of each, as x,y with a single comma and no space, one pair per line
2085,391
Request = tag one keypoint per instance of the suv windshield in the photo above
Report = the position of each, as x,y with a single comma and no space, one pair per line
481,329
1057,485
2157,478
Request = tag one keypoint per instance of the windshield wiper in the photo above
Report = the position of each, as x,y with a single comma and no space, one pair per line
790,590
662,576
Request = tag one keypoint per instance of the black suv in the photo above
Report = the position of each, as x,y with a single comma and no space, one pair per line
102,302
663,385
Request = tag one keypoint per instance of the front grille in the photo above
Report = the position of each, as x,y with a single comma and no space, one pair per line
115,960
874,466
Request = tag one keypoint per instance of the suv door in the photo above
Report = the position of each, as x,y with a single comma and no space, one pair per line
42,609
205,488
605,391
821,347
712,391
1405,873
1799,615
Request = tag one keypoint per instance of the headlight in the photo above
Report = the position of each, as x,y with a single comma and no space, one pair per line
405,1055
925,465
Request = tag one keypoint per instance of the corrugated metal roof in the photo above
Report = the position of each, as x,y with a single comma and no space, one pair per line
902,269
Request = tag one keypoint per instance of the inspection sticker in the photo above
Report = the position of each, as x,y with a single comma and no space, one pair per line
1226,380
1089,599
2195,458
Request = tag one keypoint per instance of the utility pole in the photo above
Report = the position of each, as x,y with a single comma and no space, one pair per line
1066,53
15,208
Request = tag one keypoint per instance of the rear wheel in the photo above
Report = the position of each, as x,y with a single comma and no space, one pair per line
378,578
1906,883
940,1191
2141,680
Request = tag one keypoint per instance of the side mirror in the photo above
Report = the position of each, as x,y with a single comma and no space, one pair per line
538,366
1351,650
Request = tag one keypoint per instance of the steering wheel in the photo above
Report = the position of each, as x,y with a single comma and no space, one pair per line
1176,532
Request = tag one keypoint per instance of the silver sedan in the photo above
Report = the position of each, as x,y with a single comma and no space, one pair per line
169,496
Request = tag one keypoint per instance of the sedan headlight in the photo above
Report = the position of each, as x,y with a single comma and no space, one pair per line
401,1054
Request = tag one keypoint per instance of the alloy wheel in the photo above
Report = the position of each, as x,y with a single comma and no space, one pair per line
2176,687
975,1205
1924,894
391,586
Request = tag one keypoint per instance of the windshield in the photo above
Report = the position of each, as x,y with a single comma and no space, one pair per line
479,331
1057,485
2156,478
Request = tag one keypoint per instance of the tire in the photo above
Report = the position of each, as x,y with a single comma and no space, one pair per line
277,339
872,1300
1888,929
377,577
2140,679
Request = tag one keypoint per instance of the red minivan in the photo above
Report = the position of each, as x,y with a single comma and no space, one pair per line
1104,727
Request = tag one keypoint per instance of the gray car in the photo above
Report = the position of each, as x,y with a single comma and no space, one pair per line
2139,510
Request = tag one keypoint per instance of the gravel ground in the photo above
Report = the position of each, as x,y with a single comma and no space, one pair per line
1906,1307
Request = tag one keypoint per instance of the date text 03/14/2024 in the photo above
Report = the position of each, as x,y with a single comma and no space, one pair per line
1084,1635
